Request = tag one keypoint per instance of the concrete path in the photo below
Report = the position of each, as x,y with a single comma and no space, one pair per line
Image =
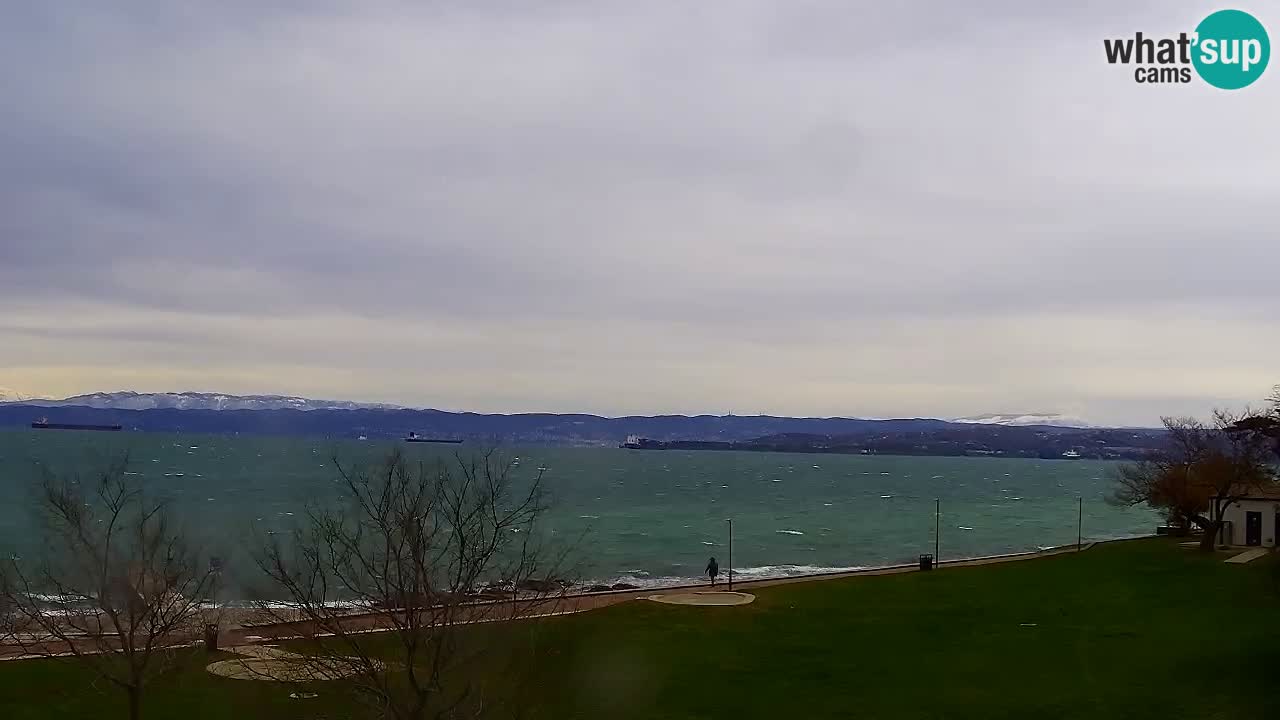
1248,556
704,598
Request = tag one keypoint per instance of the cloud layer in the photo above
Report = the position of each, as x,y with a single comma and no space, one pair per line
798,208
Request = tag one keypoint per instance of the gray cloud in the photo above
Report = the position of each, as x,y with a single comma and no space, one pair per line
810,207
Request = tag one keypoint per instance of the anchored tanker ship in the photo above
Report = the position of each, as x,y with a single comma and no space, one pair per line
44,424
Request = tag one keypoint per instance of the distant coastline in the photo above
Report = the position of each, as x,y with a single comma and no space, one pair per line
1065,447
755,433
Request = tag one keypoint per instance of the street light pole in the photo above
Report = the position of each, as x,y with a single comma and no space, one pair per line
1080,525
730,553
937,531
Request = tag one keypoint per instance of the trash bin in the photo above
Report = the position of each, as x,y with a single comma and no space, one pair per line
211,637
926,562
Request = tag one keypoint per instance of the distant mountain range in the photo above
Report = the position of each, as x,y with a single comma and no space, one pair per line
1001,435
10,395
1024,419
127,400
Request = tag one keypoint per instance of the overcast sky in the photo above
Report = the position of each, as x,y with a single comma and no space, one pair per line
806,208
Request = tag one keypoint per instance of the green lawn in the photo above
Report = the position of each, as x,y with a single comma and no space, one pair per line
1128,630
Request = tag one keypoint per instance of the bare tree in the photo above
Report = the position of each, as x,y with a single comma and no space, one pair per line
1263,424
1165,485
1204,471
420,553
117,587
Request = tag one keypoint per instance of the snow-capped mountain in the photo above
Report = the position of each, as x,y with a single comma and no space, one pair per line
199,401
11,395
1022,419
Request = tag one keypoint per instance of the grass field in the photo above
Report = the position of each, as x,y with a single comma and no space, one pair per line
1139,629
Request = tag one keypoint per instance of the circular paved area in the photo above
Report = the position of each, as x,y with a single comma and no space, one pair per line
704,598
264,662
276,670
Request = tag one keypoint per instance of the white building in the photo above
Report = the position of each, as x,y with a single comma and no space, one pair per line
1252,521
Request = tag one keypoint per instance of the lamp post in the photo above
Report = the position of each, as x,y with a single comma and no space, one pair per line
1080,525
730,520
937,531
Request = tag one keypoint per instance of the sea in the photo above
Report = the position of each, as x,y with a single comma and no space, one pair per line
642,517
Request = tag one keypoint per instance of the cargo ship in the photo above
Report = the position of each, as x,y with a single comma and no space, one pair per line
635,442
415,437
44,424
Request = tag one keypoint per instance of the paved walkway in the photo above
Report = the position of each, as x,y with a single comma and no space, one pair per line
704,598
1248,556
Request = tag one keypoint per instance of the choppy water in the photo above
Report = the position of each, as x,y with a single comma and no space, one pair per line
635,516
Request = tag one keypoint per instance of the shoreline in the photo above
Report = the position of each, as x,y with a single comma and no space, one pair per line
246,626
686,583
570,604
581,589
870,570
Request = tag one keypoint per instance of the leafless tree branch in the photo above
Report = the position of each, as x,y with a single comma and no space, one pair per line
1205,470
419,554
117,587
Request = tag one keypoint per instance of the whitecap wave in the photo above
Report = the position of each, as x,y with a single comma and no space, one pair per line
764,572
788,532
1120,536
285,605
779,571
645,581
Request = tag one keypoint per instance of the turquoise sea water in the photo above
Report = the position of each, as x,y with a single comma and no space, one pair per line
630,515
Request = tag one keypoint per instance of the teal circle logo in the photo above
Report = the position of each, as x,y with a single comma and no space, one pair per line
1231,49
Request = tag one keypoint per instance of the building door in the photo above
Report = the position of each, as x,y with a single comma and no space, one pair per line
1253,528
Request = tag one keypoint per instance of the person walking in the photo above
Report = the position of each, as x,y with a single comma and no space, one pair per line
713,569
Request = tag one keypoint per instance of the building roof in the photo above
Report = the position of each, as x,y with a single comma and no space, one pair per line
1268,493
